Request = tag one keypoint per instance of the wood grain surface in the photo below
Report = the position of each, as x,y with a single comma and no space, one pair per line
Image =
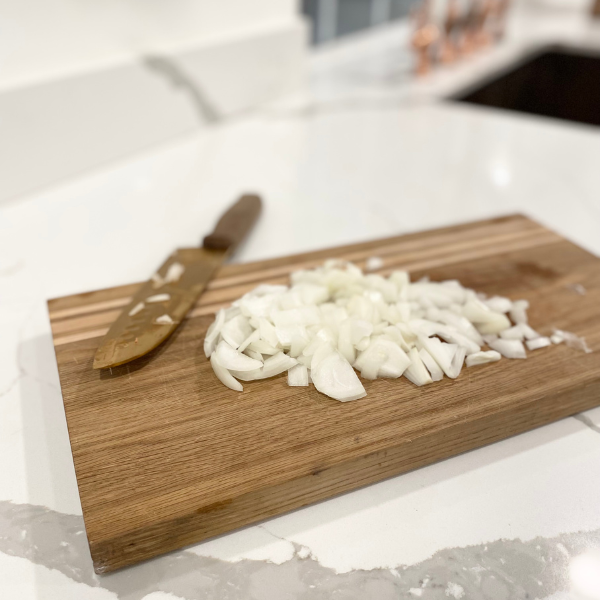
166,456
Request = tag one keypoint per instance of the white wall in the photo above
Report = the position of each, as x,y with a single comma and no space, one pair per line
44,39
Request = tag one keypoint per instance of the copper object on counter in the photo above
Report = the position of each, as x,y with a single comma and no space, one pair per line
425,37
449,52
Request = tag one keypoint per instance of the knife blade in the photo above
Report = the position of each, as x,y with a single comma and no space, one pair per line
160,305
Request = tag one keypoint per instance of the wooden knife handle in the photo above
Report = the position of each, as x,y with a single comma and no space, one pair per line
234,224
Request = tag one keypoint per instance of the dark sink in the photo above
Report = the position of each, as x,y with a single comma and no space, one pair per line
558,82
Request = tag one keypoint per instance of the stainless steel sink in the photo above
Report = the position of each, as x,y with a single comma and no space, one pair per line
557,82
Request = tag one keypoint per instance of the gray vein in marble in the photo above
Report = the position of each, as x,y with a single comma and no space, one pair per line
167,67
587,422
498,570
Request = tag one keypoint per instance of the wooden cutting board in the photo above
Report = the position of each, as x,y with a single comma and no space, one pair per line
166,456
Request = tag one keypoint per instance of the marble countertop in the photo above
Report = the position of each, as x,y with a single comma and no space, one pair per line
363,154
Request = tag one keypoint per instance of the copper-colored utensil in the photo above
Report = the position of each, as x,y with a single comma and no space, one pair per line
449,49
162,303
426,35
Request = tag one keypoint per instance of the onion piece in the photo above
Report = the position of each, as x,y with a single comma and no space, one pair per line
498,304
481,358
335,378
518,312
528,332
136,309
573,341
213,333
373,263
509,348
253,354
496,324
416,372
540,342
263,348
382,358
164,320
253,337
236,331
224,376
158,298
457,362
233,360
267,332
441,352
298,376
513,333
274,365
434,369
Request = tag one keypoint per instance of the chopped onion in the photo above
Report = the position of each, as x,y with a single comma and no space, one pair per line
335,378
174,272
236,331
481,358
416,372
158,298
498,304
224,375
434,369
509,348
298,376
274,365
513,333
528,332
233,360
136,309
253,337
373,263
263,347
164,320
253,354
210,340
572,340
540,342
518,312
334,320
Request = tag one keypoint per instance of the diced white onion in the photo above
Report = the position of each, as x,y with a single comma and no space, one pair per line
236,331
518,312
373,263
335,377
540,342
164,320
481,358
136,309
334,320
416,371
509,348
573,341
158,298
232,360
213,332
224,375
434,369
174,272
298,376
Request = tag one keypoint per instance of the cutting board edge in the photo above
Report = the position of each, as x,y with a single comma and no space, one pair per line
375,467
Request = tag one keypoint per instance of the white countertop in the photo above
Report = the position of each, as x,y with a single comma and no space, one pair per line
333,167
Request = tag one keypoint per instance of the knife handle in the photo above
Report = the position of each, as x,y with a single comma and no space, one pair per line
234,224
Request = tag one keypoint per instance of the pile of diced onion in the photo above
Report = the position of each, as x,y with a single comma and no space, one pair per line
335,321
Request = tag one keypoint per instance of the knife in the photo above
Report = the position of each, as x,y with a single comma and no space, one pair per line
161,304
